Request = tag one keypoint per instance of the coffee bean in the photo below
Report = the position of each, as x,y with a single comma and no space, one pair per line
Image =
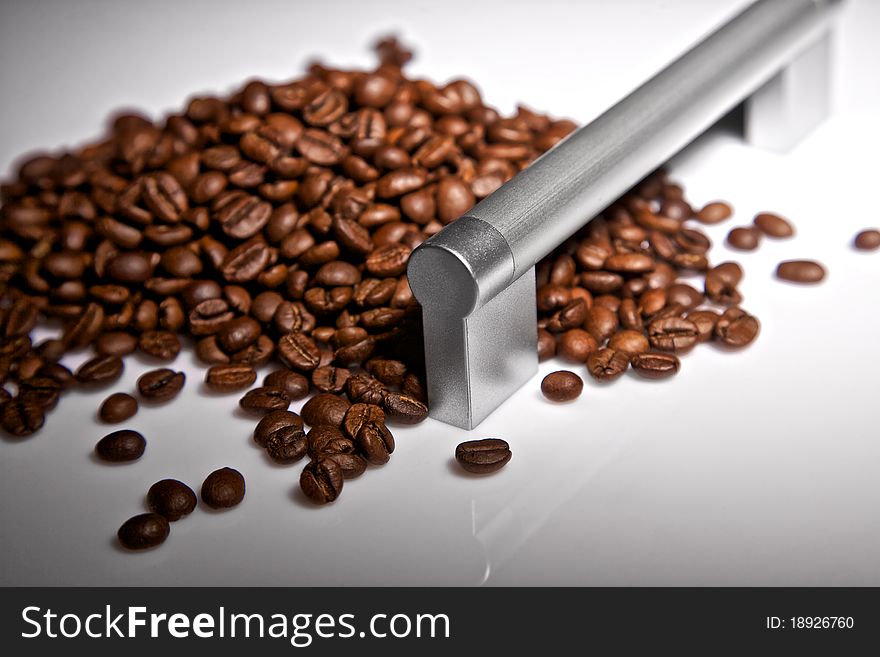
324,408
575,345
100,370
118,407
629,341
40,390
263,400
20,418
160,385
238,333
293,383
229,378
352,465
673,334
601,323
607,364
684,295
715,212
562,386
629,263
330,379
365,425
324,440
654,365
298,351
171,499
773,225
275,421
116,343
546,345
736,328
223,488
143,531
867,240
744,238
404,409
121,446
162,345
483,456
321,480
800,271
705,321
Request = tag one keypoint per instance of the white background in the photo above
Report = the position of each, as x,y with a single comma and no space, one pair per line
753,468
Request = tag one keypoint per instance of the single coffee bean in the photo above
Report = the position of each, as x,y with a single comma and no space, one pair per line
404,409
330,379
800,271
160,385
120,446
162,345
171,499
365,425
736,328
324,408
118,407
275,421
607,364
20,418
483,456
546,345
298,351
321,480
223,488
143,531
629,341
263,400
773,225
654,365
229,378
715,212
601,322
673,334
99,370
562,386
575,345
325,439
40,390
116,343
705,321
684,295
867,240
744,238
293,383
352,465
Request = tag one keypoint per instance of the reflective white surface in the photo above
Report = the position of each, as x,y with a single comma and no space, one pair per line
756,467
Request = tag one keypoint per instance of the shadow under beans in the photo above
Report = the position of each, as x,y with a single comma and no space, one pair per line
299,498
456,470
94,458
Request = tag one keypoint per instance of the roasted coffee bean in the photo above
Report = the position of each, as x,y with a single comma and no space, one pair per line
293,383
361,388
238,333
744,238
773,225
143,531
546,345
673,334
628,263
569,317
705,321
83,332
321,480
287,445
164,196
116,343
800,271
352,465
736,328
19,418
601,323
171,499
120,446
867,240
388,260
629,341
684,295
654,365
365,425
118,407
324,408
298,351
223,488
275,421
324,440
607,364
330,379
99,370
404,409
721,282
263,400
483,456
228,378
388,371
562,386
160,385
575,345
40,390
715,212
162,345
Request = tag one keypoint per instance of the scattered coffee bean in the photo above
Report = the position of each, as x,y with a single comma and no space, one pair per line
118,407
562,386
715,212
293,383
223,488
171,499
230,378
404,409
800,271
160,385
100,370
773,225
275,421
20,418
321,480
736,328
607,363
143,531
262,400
324,408
483,456
868,240
744,238
120,446
654,365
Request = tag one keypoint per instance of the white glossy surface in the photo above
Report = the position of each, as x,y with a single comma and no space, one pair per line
749,468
